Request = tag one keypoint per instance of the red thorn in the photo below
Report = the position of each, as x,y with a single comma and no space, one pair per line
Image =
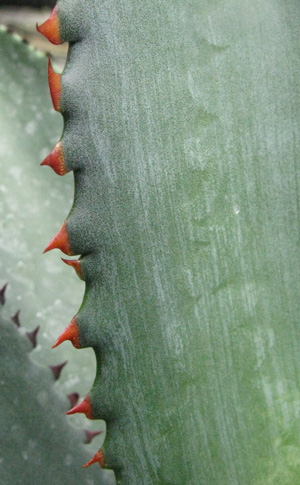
90,435
70,333
76,264
73,398
61,241
55,86
84,407
98,458
56,160
33,336
2,294
56,369
16,319
51,28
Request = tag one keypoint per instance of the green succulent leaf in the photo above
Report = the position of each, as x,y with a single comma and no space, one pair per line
32,202
38,445
182,128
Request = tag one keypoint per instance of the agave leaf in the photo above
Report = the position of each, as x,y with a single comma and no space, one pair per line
32,415
38,445
182,129
32,200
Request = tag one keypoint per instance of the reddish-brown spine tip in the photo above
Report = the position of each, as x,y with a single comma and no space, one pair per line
16,318
33,336
61,241
98,458
55,86
76,264
56,160
73,398
56,369
51,28
90,435
70,333
84,407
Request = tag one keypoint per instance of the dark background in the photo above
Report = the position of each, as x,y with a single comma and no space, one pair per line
29,3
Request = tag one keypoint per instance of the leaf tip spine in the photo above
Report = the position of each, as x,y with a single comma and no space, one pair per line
60,241
16,319
98,458
2,294
56,160
51,28
55,86
57,369
76,265
73,398
70,333
84,407
33,336
90,435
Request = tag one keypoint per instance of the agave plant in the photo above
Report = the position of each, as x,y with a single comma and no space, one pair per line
37,444
181,129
